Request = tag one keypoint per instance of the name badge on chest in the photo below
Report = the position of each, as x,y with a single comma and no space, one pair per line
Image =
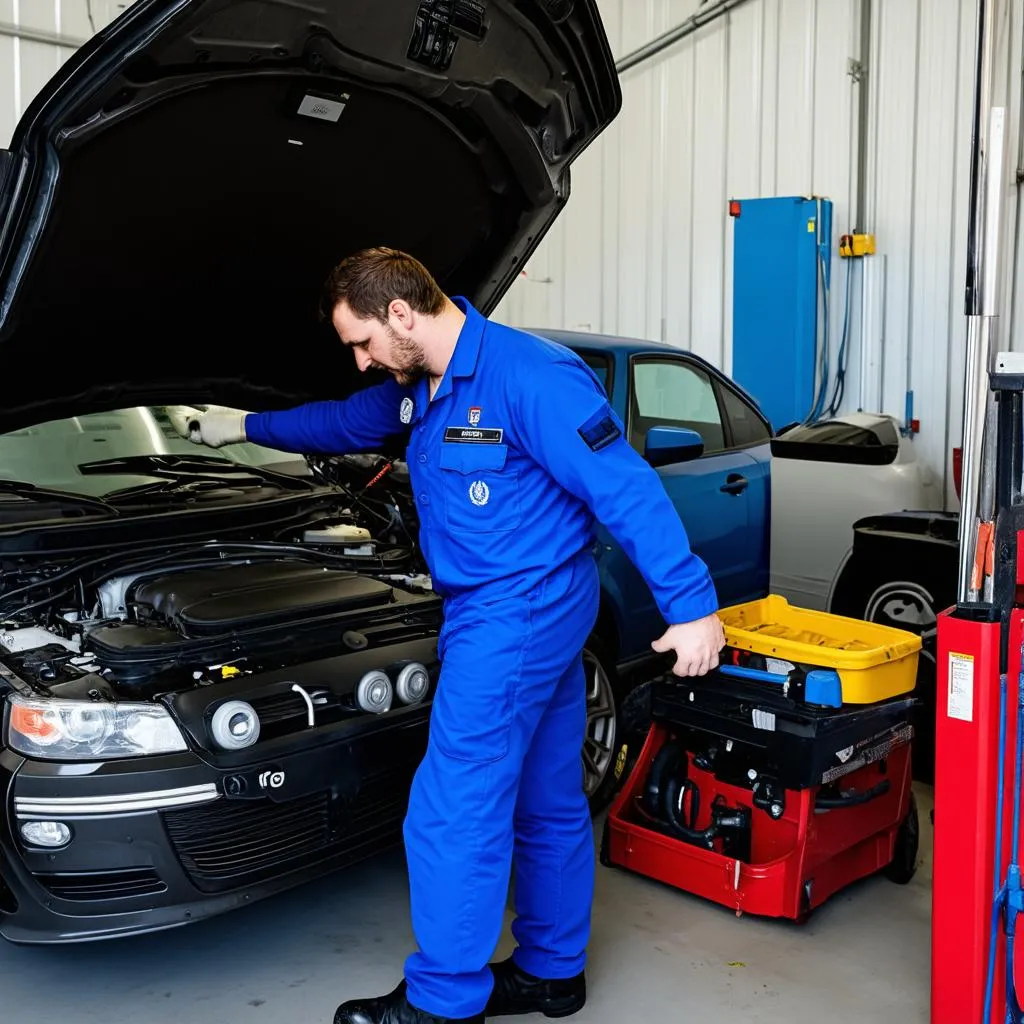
474,435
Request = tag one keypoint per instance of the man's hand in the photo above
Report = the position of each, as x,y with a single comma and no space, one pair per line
215,426
696,645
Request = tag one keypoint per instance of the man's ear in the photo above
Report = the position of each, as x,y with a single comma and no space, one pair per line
401,315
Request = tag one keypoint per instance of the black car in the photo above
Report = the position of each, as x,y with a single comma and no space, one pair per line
216,669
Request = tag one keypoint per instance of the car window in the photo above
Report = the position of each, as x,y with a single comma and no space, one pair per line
601,364
746,426
670,393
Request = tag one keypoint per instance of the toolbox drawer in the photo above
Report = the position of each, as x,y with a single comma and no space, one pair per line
799,745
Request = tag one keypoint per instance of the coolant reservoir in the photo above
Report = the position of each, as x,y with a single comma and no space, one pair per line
354,539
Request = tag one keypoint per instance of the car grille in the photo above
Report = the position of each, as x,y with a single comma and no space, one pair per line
103,885
283,713
230,844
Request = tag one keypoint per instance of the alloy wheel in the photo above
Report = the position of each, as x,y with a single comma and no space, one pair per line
599,742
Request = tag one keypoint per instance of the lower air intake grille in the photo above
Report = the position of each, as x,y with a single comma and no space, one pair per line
236,843
103,885
231,844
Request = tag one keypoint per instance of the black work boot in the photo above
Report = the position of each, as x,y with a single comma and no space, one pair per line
393,1008
515,991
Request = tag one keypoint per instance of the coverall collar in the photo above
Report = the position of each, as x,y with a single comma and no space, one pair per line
467,347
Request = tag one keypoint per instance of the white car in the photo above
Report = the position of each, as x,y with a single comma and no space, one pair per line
826,477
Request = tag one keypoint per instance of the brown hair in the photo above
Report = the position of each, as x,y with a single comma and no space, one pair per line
370,279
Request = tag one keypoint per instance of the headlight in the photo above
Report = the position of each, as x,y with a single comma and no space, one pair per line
70,730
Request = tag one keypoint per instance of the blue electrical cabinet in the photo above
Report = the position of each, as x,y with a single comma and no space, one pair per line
780,247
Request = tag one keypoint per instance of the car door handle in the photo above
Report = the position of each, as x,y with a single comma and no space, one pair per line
735,483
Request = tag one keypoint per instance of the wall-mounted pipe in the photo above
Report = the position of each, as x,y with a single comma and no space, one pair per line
38,35
708,13
863,115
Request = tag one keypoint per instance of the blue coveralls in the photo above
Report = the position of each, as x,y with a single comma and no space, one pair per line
510,463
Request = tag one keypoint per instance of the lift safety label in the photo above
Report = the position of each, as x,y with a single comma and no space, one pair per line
960,698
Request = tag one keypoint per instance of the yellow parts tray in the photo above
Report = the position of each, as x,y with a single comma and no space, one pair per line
874,662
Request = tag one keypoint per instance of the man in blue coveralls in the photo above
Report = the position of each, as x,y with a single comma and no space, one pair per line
513,452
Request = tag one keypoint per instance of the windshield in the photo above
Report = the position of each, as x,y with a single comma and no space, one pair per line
50,454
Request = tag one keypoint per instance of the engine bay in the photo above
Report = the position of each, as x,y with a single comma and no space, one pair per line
170,615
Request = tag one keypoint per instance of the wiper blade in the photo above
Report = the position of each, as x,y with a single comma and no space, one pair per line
198,469
24,489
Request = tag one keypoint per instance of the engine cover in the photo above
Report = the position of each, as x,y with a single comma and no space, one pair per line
253,615
210,602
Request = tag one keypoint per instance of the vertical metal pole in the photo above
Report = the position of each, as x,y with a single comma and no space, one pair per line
981,291
979,459
863,114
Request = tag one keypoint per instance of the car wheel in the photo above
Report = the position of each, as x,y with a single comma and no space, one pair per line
601,745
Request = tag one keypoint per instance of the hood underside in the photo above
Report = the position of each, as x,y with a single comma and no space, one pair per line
176,195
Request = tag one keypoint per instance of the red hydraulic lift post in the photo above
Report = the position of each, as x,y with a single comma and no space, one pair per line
979,639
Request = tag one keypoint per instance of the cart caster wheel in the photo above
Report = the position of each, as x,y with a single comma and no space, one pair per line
806,910
903,866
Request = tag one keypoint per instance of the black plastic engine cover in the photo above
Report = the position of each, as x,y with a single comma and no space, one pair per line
211,602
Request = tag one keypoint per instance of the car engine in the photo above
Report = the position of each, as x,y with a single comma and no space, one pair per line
311,613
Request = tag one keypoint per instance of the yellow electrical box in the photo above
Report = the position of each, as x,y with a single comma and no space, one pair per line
857,245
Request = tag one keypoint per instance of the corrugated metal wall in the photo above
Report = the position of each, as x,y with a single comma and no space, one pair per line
36,37
764,102
761,102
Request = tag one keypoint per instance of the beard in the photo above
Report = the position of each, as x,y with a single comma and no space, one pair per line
410,364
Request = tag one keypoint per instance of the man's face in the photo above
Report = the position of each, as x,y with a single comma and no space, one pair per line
378,346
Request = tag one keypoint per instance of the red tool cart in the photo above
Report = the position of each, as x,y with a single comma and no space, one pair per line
784,775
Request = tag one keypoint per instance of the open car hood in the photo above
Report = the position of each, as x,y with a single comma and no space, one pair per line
174,198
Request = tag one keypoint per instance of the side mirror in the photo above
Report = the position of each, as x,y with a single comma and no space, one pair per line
666,445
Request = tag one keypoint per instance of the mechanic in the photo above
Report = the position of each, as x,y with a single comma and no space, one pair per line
513,451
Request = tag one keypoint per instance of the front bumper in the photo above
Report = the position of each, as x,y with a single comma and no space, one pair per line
165,841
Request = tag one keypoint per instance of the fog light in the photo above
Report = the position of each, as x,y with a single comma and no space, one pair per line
46,833
374,692
235,725
412,684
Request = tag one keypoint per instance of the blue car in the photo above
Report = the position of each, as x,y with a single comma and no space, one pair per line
720,488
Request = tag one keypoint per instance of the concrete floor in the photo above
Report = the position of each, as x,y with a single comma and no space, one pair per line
657,955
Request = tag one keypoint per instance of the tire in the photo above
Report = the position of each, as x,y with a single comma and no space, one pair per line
604,856
903,866
909,595
602,755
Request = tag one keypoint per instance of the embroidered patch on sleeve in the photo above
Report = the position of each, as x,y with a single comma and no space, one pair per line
600,430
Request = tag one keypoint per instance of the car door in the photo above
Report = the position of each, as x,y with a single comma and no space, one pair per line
712,494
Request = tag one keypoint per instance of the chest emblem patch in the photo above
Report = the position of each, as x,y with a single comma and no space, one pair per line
405,411
479,493
474,415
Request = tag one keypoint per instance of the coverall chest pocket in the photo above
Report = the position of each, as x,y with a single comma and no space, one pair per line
481,493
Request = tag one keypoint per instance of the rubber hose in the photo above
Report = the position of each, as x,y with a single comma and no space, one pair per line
666,764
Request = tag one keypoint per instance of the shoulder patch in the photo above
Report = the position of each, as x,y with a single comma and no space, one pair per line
600,430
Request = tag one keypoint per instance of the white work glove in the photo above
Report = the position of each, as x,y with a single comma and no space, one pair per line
215,426
696,644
